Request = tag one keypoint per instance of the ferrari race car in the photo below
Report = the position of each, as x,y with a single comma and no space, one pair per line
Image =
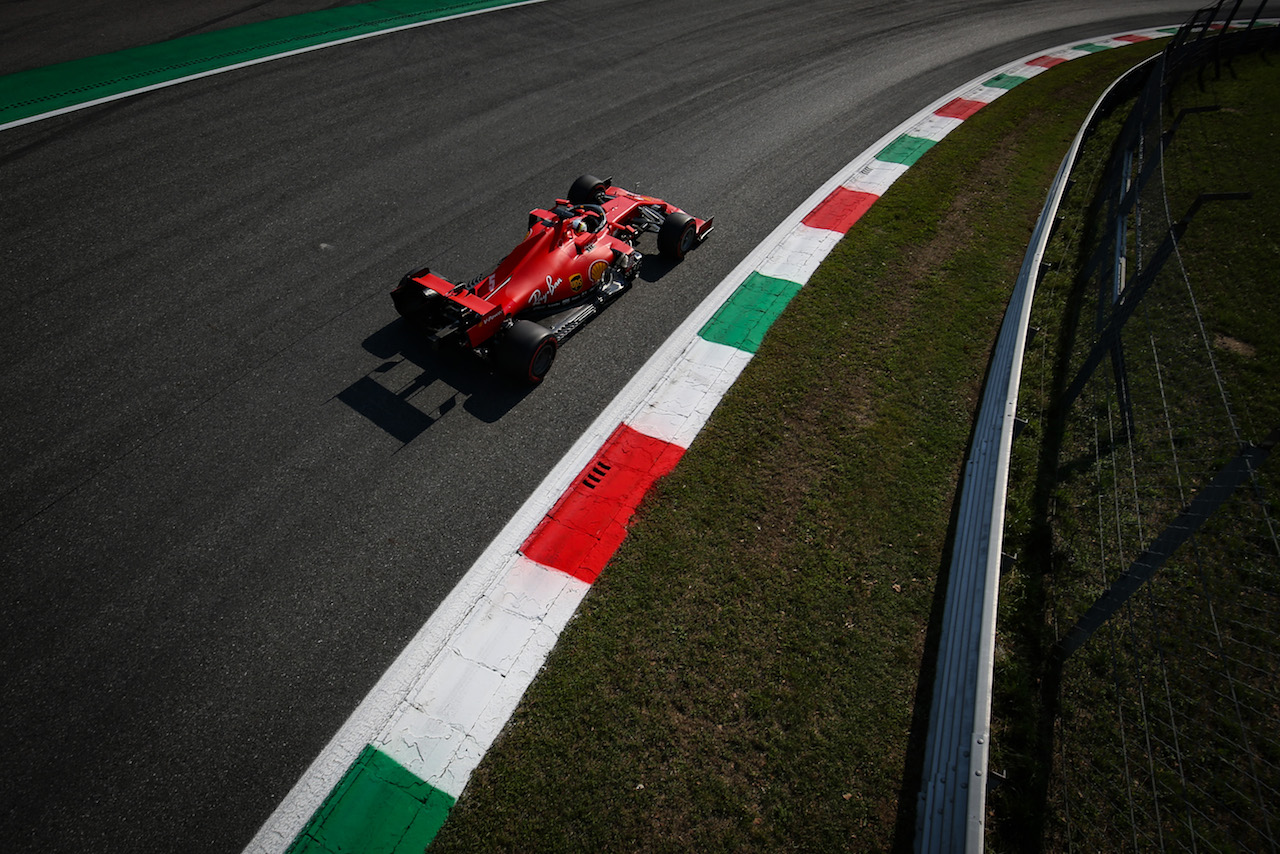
578,256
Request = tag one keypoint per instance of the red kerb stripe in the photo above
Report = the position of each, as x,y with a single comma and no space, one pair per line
840,210
960,108
1047,61
589,522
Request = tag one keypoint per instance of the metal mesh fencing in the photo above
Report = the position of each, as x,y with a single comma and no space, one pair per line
1165,599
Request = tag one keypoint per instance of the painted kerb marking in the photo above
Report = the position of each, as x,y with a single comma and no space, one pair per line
440,706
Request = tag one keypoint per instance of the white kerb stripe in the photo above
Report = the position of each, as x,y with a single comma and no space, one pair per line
456,709
799,253
934,127
875,177
985,94
680,405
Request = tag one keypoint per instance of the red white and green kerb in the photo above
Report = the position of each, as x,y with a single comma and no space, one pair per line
390,777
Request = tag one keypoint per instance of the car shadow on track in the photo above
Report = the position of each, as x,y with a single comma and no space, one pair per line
390,395
654,267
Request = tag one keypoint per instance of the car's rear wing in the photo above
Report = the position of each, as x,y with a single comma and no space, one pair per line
444,309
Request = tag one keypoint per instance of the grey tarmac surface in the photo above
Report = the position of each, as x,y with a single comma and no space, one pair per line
234,485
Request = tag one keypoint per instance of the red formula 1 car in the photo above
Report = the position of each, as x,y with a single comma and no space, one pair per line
579,256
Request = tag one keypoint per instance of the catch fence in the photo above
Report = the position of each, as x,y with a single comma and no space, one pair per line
1164,592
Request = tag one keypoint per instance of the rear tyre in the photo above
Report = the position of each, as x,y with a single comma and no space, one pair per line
586,191
677,236
525,351
412,300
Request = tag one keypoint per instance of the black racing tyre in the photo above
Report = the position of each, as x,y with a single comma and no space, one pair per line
413,302
677,236
586,190
525,351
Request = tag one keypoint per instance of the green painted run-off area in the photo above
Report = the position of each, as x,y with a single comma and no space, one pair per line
35,92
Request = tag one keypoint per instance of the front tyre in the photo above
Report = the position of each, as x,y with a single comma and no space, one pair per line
587,190
525,351
677,236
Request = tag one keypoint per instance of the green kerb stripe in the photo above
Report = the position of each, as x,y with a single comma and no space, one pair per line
378,807
42,90
1091,48
1005,81
747,315
905,150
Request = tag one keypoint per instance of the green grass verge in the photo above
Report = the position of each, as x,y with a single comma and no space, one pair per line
753,669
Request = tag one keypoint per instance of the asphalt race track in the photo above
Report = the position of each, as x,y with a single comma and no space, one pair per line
234,485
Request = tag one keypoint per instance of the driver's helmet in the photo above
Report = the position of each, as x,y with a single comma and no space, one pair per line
581,225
